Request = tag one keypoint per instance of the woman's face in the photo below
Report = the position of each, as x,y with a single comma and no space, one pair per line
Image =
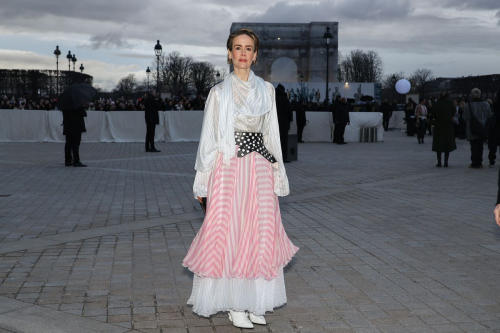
243,52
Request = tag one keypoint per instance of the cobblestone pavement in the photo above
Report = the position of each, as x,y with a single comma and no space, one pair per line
388,242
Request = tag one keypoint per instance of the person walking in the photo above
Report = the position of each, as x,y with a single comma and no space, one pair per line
341,120
421,120
494,131
152,104
285,117
410,117
239,253
443,139
73,127
300,114
430,117
476,115
386,110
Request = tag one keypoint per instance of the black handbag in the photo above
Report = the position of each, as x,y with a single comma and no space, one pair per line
476,127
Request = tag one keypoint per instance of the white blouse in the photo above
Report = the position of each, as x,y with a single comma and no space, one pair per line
266,124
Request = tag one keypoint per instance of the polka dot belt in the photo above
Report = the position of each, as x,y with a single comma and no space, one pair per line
250,142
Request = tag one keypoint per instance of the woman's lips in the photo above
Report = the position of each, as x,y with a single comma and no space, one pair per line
242,60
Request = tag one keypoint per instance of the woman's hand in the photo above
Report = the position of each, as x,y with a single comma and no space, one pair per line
200,199
497,214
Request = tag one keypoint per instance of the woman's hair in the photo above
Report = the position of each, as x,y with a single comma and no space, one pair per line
444,94
243,31
421,99
475,93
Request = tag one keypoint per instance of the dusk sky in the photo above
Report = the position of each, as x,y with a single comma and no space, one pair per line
115,37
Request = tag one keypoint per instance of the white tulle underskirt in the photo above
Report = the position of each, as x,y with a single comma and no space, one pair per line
259,295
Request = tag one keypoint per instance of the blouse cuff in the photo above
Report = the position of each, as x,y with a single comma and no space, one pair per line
201,183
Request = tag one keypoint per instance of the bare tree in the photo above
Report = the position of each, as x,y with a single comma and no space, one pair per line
423,80
360,66
203,75
389,81
175,72
127,85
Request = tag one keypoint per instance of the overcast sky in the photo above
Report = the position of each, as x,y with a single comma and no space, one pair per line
115,37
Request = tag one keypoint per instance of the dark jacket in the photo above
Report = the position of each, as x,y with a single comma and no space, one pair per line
284,108
300,114
73,122
481,110
409,110
340,113
443,139
152,105
386,110
498,195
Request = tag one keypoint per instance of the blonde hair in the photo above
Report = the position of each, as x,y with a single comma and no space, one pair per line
476,93
243,31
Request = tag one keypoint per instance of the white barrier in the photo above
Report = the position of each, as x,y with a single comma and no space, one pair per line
175,126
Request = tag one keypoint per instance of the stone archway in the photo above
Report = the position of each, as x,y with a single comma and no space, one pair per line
284,69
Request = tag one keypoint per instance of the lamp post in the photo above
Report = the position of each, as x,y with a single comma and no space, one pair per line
148,72
74,61
327,36
158,50
68,56
57,53
81,68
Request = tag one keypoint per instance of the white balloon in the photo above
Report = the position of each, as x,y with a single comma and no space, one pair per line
403,86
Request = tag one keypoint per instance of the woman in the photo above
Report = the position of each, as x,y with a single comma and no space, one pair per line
443,139
240,251
421,116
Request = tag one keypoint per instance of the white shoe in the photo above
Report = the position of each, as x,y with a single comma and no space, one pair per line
260,320
240,319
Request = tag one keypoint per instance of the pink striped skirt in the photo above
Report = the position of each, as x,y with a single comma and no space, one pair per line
242,235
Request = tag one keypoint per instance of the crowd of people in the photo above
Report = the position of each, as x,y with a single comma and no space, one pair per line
178,103
20,103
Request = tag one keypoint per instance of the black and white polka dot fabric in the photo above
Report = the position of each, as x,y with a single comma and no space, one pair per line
250,142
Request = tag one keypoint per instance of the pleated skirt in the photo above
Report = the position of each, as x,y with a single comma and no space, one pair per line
240,251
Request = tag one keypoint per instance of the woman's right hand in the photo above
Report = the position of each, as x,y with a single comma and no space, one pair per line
497,214
200,199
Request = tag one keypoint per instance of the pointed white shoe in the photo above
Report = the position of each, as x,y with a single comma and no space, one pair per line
260,320
240,319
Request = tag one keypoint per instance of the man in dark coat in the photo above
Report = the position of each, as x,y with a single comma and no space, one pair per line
497,208
494,131
285,116
151,104
386,110
443,140
301,119
410,117
340,119
73,127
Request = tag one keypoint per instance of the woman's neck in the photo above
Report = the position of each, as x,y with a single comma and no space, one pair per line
242,74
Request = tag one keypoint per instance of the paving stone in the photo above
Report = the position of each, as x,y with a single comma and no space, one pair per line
384,237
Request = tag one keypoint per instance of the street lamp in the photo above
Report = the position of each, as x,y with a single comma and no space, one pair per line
57,53
158,50
68,56
74,61
327,36
81,68
148,72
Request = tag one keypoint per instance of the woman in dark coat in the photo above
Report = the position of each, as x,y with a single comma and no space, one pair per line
443,139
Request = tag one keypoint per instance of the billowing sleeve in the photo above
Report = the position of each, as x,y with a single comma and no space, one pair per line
272,142
208,146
